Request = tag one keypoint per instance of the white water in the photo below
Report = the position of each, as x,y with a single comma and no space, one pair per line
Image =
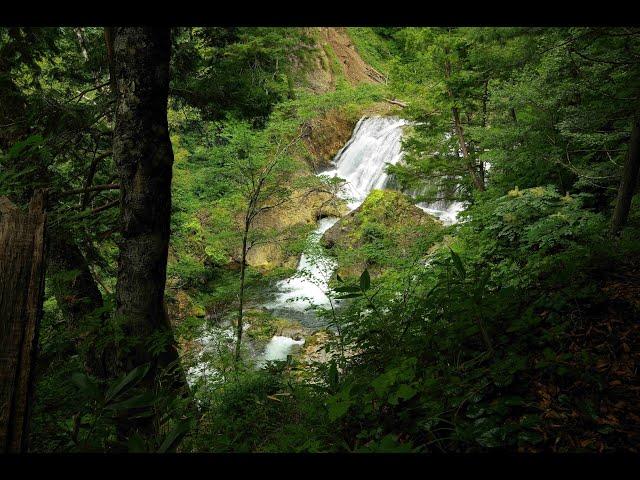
362,164
279,347
307,286
375,142
446,212
211,340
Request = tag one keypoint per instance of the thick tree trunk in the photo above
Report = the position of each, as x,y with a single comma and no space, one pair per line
628,181
22,267
144,157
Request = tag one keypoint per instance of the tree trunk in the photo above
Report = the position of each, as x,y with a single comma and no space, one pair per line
628,181
475,176
241,306
22,268
470,165
76,297
144,158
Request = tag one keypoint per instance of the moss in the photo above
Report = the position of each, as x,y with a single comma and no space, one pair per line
386,229
264,325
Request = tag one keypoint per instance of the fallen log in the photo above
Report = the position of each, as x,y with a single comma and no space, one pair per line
396,102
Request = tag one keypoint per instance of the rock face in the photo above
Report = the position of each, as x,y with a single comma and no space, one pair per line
386,221
325,135
302,212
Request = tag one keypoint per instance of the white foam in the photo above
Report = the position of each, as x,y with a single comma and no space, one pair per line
279,347
362,163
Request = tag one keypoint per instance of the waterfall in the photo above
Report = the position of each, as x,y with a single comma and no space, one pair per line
361,163
446,212
375,142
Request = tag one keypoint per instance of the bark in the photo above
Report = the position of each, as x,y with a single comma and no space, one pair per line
144,158
470,164
108,40
243,265
22,269
628,181
76,297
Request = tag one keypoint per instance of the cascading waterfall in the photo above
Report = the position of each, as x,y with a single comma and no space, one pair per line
362,161
375,142
446,212
362,164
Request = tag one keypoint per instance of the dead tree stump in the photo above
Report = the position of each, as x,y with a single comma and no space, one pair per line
22,268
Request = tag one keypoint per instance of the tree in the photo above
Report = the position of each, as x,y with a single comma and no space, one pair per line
260,168
628,181
22,267
58,135
144,158
440,75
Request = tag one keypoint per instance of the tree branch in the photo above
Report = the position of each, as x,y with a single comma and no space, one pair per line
104,207
95,188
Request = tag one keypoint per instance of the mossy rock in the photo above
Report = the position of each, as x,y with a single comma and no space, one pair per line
264,325
386,228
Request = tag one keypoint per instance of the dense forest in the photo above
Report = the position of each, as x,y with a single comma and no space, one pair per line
349,239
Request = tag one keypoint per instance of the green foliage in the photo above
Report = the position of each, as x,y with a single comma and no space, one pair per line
242,71
447,338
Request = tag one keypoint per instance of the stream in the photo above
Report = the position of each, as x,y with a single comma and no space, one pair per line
362,161
375,142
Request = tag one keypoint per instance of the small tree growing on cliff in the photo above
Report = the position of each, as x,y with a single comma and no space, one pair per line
260,166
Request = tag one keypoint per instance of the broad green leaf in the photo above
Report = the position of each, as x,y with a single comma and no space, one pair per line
365,281
136,444
173,438
405,392
347,289
458,263
138,401
338,408
130,379
86,385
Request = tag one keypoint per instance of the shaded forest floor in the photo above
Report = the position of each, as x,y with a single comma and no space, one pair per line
603,413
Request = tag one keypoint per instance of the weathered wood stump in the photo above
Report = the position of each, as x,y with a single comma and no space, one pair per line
22,268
